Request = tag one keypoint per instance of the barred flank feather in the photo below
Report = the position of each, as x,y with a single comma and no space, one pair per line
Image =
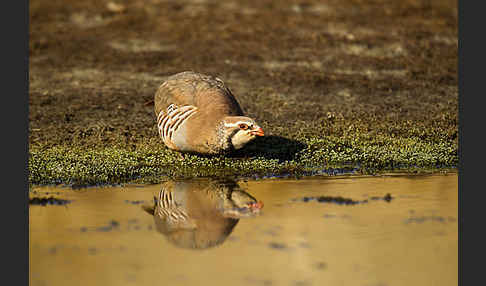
168,208
170,121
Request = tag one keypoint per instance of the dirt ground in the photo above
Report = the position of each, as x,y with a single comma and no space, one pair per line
302,69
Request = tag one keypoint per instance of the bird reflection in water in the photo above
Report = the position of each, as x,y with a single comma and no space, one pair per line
201,213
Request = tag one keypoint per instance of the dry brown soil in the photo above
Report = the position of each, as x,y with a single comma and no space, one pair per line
297,67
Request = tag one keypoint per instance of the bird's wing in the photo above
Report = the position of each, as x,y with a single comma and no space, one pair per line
205,92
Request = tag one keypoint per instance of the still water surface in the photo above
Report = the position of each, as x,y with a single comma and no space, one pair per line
269,232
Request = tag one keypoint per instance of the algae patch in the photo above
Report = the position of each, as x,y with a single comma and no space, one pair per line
320,156
48,201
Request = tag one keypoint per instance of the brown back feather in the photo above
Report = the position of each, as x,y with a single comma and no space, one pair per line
207,93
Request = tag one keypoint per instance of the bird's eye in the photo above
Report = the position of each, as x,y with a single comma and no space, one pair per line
243,126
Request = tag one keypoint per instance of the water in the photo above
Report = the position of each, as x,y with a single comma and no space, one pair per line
250,233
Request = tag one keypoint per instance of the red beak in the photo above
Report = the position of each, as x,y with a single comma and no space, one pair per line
256,206
258,132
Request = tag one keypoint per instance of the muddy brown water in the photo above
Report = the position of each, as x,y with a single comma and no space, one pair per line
269,232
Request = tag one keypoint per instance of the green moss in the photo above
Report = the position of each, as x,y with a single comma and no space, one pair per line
149,162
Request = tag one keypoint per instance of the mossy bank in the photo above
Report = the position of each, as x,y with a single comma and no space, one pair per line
345,87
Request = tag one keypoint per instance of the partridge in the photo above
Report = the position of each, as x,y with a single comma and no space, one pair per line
197,113
200,213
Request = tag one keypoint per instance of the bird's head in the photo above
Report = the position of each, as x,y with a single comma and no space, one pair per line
241,130
241,204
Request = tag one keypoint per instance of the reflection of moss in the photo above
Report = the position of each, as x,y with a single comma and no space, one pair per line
355,150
